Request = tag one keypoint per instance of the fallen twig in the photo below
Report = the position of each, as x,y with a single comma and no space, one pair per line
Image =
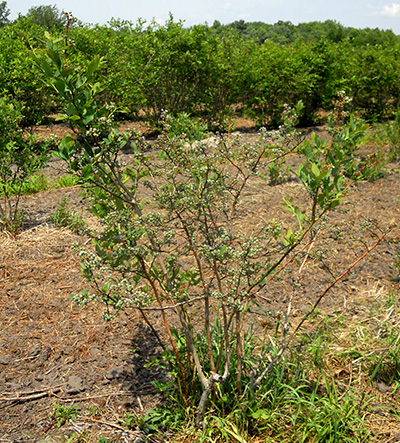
31,395
112,425
93,397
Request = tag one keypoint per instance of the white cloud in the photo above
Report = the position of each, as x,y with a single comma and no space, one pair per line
392,10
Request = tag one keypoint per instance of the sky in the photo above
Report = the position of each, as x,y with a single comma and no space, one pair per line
355,13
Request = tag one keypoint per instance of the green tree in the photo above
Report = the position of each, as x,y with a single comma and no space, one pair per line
282,32
280,77
48,16
374,80
4,13
18,80
372,37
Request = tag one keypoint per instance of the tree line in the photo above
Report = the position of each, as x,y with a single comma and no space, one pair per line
254,69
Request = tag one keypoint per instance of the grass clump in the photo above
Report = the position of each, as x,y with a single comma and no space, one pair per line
299,400
65,218
65,181
386,137
38,183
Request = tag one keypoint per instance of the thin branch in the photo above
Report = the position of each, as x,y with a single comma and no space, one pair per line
368,251
171,339
206,296
173,307
254,383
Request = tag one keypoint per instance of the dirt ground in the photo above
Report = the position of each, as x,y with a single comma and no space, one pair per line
52,351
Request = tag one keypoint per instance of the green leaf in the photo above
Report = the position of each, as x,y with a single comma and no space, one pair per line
71,110
46,68
315,170
261,413
99,210
289,237
66,149
88,149
105,287
118,203
60,86
96,88
288,202
89,116
87,172
93,66
61,118
81,80
55,57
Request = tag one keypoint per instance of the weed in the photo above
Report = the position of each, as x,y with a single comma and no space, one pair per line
386,136
157,420
94,411
184,126
63,414
65,181
33,184
13,225
64,217
37,183
392,132
102,439
327,415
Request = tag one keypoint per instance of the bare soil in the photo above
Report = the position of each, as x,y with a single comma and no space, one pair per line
52,351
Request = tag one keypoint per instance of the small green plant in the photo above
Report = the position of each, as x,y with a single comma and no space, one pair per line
94,411
20,158
65,218
38,182
102,439
356,167
386,138
63,414
65,181
35,183
349,145
372,167
392,132
280,142
329,416
184,126
158,419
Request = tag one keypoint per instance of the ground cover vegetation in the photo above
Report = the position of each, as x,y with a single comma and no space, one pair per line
174,242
